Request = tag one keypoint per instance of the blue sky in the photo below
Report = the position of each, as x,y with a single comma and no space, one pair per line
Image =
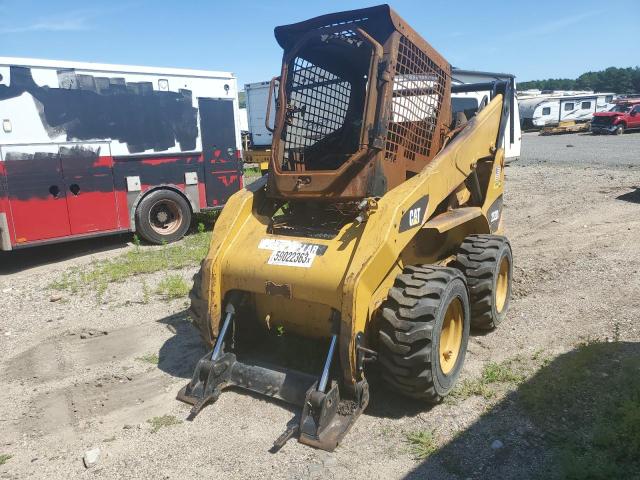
552,39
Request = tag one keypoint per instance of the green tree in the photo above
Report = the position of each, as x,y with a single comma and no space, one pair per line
612,79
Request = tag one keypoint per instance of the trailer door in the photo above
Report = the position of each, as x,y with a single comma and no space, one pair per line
37,194
91,199
221,162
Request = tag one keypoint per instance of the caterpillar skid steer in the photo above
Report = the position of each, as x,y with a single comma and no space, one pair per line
374,237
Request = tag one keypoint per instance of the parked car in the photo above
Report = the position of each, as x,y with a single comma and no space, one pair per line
625,115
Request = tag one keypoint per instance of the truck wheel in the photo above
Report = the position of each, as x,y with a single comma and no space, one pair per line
198,310
620,129
486,262
163,216
423,332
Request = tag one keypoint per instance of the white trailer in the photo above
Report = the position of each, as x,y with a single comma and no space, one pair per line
549,110
91,149
42,79
470,103
257,95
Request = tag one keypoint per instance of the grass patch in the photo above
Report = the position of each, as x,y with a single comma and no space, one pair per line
146,293
151,358
4,457
505,372
204,221
164,421
252,171
421,444
588,404
470,388
251,174
173,286
188,252
509,372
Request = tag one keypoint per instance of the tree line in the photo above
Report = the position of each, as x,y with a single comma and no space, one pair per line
612,79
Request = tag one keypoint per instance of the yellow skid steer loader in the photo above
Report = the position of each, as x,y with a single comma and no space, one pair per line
374,237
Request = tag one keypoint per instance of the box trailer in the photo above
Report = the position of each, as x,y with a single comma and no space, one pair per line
257,149
257,99
91,149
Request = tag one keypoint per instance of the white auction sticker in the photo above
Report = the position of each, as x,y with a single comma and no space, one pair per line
291,253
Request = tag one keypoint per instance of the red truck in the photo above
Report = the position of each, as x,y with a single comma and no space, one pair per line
625,115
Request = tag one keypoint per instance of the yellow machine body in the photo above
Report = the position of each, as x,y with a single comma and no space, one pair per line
421,221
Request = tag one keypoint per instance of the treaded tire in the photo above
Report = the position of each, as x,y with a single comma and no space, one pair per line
198,309
154,200
479,259
410,323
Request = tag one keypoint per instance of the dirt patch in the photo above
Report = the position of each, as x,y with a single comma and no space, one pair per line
83,372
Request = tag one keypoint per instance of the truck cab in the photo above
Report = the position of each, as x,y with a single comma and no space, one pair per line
625,115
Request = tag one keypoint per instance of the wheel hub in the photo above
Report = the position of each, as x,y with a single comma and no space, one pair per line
165,217
162,216
502,284
451,336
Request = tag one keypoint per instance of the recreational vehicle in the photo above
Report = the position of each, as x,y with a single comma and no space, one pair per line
548,110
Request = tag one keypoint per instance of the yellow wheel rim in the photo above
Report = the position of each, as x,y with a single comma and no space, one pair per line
502,284
451,335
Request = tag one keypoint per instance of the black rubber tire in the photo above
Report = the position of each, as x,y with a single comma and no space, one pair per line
479,258
143,224
620,129
198,309
409,328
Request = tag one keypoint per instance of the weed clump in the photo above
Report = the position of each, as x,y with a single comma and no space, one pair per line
421,444
164,421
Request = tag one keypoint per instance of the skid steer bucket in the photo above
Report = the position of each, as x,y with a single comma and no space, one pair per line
325,418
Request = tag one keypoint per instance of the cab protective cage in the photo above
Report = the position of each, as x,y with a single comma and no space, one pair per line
363,104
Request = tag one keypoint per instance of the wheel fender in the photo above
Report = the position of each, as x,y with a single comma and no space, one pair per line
134,201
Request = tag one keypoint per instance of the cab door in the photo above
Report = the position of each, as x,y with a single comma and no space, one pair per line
87,169
37,193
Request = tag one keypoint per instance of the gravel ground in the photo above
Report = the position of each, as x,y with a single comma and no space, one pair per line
79,373
582,149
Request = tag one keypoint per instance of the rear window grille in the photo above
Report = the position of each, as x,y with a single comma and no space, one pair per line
418,91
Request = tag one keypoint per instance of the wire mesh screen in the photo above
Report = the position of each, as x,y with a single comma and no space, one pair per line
317,106
418,91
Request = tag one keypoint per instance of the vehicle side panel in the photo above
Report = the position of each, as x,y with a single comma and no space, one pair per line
81,146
